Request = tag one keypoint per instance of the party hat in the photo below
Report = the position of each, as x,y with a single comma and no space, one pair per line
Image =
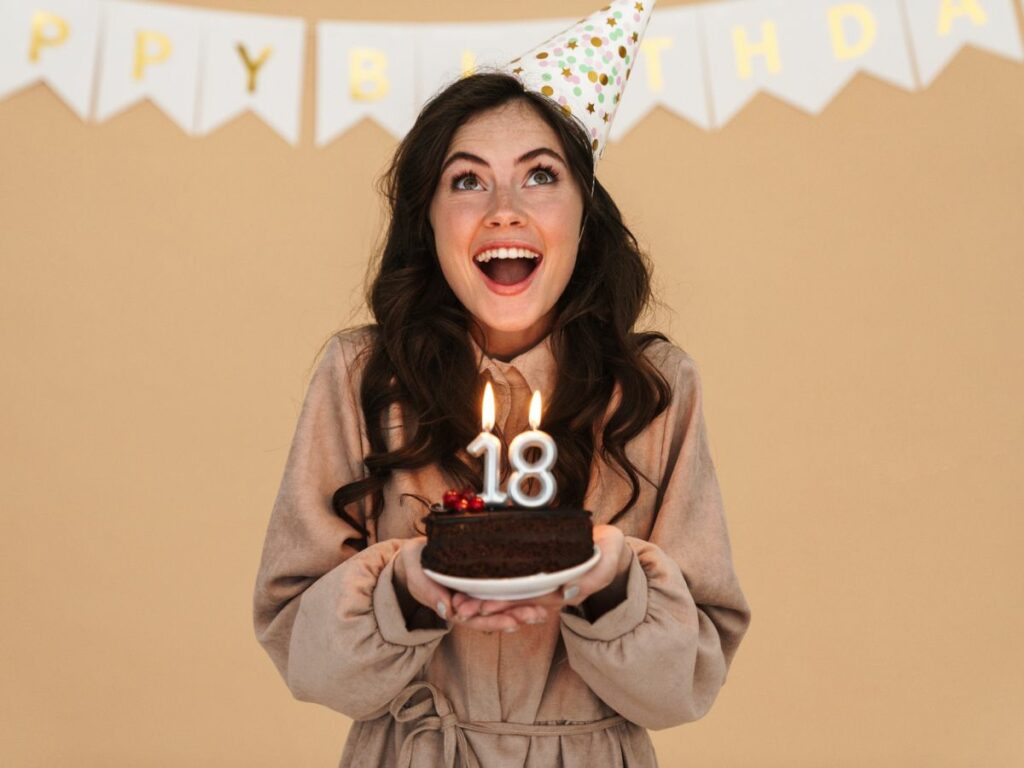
584,69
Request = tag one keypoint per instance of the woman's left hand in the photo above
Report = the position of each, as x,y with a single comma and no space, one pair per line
610,569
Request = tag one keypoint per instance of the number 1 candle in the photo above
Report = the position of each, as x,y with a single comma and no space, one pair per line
488,445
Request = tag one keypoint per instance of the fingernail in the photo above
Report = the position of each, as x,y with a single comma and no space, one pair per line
535,621
570,592
442,611
511,629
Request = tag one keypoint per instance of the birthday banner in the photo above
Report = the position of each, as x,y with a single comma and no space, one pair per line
702,62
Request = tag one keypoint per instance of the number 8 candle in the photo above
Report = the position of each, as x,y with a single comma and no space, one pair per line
489,445
532,438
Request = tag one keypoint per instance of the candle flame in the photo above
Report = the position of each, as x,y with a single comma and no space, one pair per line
535,410
488,416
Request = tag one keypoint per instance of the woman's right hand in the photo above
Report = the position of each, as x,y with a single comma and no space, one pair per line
410,578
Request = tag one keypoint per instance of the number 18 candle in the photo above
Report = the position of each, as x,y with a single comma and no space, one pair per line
488,445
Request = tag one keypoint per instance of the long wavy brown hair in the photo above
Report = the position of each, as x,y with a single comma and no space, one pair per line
420,355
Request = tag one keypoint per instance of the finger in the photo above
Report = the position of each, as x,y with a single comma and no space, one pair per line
439,601
572,594
499,622
487,607
598,577
428,592
529,614
605,535
610,541
468,608
575,592
579,590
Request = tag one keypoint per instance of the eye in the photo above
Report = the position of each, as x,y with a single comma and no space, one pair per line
466,180
542,175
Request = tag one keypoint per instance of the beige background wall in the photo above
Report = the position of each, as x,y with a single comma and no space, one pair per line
849,284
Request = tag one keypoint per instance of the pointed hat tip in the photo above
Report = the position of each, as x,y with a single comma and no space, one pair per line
584,69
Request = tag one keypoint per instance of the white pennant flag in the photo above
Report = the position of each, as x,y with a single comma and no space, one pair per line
669,72
445,52
364,70
53,41
801,51
149,51
252,62
940,28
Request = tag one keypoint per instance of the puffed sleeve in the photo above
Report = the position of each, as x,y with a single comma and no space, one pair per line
325,612
660,657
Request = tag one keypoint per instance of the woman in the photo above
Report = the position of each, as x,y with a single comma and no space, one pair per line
507,261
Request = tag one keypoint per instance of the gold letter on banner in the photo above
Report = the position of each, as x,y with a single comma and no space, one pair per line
40,19
253,66
367,66
651,48
142,39
869,30
745,50
467,64
953,8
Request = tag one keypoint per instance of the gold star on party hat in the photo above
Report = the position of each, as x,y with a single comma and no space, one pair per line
585,68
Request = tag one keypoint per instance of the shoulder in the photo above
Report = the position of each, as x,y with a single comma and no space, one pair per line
348,349
342,358
675,364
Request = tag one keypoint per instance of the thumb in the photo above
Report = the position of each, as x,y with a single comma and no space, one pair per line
425,590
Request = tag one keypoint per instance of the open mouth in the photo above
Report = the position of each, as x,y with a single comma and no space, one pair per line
508,266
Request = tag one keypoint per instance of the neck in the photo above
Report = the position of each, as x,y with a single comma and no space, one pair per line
505,345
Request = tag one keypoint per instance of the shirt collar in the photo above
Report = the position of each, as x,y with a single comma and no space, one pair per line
536,366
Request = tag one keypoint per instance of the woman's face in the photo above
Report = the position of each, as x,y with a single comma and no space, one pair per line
506,216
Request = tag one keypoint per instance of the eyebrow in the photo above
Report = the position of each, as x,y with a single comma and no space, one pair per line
524,158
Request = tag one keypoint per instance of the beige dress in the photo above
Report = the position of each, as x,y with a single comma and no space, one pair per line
567,692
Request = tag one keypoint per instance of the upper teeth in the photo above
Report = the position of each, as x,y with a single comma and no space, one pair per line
506,253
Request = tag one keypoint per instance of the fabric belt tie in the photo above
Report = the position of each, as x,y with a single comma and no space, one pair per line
435,713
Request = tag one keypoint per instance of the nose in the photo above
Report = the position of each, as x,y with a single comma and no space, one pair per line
505,209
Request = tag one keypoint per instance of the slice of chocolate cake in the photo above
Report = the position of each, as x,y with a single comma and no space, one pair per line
506,542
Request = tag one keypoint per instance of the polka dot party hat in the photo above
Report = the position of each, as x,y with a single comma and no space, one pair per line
585,68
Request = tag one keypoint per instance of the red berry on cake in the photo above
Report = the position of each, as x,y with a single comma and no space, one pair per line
450,500
476,504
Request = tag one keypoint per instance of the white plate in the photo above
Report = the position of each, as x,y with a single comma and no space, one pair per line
518,587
